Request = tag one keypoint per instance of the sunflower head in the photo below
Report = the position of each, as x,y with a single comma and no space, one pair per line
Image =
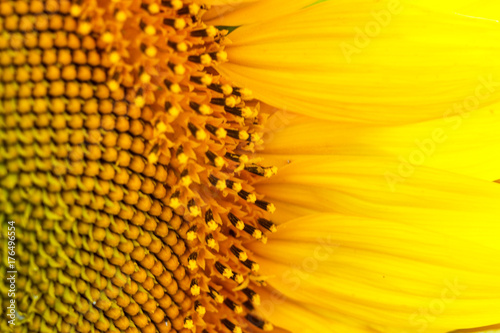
127,162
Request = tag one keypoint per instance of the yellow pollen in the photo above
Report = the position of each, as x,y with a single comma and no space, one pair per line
194,9
201,310
211,31
219,298
243,135
206,80
227,89
150,30
191,236
271,209
221,133
206,59
255,137
113,85
175,88
212,225
84,28
179,24
195,290
228,273
182,47
151,51
243,158
251,198
121,16
246,94
195,211
268,327
173,111
201,135
222,56
256,299
205,110
246,112
237,187
263,239
107,37
219,162
237,329
257,234
152,158
161,127
145,78
75,10
139,101
239,278
179,69
230,101
240,225
221,185
186,181
114,57
182,158
211,243
255,267
188,324
269,172
238,309
176,4
192,265
153,8
175,203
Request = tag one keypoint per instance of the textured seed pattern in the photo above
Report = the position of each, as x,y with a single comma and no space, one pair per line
126,161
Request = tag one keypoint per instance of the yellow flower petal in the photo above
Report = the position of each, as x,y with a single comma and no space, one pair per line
454,205
366,61
391,276
466,143
243,12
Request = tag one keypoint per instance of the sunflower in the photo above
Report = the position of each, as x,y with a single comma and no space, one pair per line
140,149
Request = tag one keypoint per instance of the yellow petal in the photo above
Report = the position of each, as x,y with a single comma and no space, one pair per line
392,276
244,12
466,143
298,317
366,61
455,205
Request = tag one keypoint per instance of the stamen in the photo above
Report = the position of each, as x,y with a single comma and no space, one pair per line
263,325
254,232
233,306
195,289
216,296
261,171
252,296
252,265
267,224
223,270
200,309
236,157
192,264
209,219
240,254
221,88
249,197
216,160
230,326
208,32
236,222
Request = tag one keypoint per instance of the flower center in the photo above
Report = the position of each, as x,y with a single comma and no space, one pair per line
126,160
